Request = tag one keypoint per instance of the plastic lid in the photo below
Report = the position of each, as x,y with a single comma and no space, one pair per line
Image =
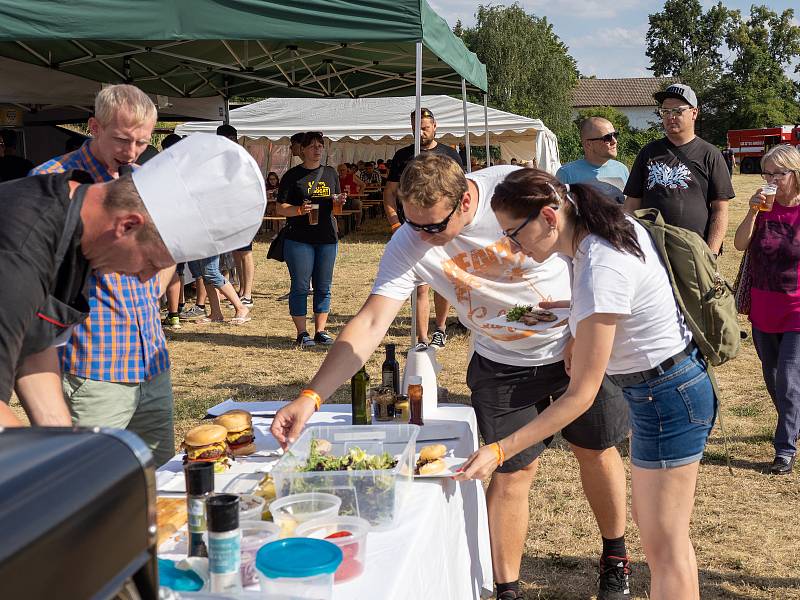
296,558
223,512
415,380
199,478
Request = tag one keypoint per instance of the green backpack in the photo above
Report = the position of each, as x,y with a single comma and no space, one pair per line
704,297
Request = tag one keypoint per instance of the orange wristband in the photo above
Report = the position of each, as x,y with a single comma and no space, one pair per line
314,396
299,210
396,226
501,455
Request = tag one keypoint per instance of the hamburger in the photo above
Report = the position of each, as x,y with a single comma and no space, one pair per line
206,443
239,425
431,460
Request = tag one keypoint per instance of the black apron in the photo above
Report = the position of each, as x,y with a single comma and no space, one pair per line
54,320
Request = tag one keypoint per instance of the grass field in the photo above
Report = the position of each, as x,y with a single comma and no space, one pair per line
745,527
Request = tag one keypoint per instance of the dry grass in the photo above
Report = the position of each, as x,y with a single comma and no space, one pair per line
745,526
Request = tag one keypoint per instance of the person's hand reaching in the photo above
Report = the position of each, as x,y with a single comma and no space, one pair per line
290,420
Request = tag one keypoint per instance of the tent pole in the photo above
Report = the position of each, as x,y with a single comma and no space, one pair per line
486,127
466,124
417,111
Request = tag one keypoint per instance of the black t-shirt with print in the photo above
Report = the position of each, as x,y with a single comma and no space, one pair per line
661,179
295,189
403,156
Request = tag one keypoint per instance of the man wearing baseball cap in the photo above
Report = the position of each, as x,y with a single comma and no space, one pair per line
681,175
201,197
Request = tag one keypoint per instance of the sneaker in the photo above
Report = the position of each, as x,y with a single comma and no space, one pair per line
247,301
420,347
324,338
613,578
193,313
438,339
305,341
782,465
171,323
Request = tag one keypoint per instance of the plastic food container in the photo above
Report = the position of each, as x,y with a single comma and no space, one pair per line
349,533
298,568
372,495
250,507
290,511
254,535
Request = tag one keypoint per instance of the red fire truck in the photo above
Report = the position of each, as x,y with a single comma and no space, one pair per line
749,145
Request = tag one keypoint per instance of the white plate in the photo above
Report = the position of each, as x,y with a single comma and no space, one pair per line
228,483
561,319
452,462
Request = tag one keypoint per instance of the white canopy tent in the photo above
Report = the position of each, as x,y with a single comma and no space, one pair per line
372,128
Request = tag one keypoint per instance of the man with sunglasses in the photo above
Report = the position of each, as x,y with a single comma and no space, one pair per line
681,175
599,141
451,240
394,214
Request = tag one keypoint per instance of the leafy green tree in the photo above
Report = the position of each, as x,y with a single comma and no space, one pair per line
530,70
683,41
756,91
616,116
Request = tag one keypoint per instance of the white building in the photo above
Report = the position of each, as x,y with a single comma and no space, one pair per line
631,96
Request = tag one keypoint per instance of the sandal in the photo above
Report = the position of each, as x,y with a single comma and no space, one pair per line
209,320
239,320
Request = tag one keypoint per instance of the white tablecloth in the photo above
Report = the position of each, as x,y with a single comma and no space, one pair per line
440,547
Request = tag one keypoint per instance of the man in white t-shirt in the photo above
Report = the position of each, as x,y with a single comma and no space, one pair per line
452,241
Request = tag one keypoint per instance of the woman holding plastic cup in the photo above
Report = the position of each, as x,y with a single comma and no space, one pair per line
305,198
771,233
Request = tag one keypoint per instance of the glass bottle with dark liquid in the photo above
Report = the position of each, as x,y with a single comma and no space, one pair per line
390,370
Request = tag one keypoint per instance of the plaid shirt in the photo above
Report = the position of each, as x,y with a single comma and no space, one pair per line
122,340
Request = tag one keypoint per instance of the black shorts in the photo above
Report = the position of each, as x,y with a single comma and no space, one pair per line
248,248
506,398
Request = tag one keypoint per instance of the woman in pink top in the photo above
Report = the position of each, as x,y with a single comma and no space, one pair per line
771,231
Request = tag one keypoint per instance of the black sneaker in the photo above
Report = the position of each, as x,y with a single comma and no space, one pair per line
247,301
324,338
782,465
420,347
305,341
438,339
613,578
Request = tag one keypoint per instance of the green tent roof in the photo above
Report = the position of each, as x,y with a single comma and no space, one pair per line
264,48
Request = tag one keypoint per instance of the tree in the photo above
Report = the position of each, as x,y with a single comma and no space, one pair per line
756,91
617,117
684,42
529,68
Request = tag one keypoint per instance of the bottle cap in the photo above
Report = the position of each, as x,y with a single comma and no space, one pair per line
297,558
415,380
223,512
199,478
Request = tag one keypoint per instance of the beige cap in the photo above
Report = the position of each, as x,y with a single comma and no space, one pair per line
205,194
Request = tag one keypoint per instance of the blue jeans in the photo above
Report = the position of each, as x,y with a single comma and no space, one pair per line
671,415
314,263
780,363
208,269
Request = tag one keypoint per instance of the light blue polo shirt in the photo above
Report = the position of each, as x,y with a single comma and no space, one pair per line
582,171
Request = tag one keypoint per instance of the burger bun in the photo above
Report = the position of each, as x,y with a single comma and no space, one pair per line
205,435
433,467
235,420
432,452
245,450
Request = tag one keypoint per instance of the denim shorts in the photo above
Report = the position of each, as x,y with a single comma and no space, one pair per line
672,415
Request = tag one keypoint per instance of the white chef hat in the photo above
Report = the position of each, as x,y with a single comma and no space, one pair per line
205,194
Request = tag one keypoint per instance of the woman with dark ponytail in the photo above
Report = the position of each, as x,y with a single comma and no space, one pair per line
625,322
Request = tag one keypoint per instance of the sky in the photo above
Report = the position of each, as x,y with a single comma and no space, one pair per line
606,37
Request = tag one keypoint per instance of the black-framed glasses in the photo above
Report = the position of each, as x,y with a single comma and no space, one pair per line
512,237
434,227
607,138
672,112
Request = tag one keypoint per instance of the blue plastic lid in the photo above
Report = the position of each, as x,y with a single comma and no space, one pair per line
298,557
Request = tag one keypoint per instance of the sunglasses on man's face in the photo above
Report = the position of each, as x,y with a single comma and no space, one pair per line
434,227
607,138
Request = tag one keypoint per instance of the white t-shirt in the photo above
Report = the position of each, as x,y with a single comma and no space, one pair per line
482,277
650,327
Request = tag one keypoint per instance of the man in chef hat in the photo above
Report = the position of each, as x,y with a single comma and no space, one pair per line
201,197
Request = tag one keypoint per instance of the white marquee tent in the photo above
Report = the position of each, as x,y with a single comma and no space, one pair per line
372,128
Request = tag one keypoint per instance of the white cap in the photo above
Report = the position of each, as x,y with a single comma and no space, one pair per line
205,194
